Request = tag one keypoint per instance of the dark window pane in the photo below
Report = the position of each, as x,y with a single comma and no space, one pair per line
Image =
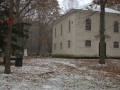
116,44
88,43
61,30
68,44
54,46
116,26
60,45
88,24
69,26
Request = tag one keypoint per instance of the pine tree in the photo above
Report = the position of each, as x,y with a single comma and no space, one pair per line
8,48
9,32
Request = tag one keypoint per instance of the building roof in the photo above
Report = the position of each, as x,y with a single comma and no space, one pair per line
89,7
97,8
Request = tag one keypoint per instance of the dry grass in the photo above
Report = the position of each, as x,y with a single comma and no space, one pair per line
111,67
62,74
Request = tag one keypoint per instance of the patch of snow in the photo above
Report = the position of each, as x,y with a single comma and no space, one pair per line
89,78
6,74
102,65
46,87
83,68
21,86
95,7
66,63
36,75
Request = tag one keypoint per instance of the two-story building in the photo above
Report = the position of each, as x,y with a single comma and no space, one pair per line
76,34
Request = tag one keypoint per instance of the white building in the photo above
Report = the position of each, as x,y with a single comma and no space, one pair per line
76,34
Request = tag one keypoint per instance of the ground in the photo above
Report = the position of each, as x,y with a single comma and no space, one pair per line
61,74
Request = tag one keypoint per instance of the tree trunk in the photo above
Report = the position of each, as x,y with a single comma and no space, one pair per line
102,36
8,50
16,20
49,49
39,47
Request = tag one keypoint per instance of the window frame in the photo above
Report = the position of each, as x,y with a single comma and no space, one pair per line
88,24
87,43
69,44
61,29
69,25
54,46
116,44
116,26
61,45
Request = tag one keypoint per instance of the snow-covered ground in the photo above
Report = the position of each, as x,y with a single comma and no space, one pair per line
62,74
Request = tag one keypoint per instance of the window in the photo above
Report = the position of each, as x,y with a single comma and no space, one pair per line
61,30
88,24
87,43
69,44
116,26
69,26
54,46
61,45
55,32
116,44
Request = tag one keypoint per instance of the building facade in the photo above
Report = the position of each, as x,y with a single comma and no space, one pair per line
76,34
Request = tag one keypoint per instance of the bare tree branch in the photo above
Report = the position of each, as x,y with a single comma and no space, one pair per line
23,8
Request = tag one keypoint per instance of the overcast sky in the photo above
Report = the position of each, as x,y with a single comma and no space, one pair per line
81,2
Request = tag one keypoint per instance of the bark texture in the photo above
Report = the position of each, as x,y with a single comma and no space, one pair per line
102,30
8,50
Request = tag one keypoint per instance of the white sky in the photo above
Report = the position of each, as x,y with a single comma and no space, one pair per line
81,2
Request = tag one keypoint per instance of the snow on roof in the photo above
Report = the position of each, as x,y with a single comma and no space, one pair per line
90,7
94,7
97,8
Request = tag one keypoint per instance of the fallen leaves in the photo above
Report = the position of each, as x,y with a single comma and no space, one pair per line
62,74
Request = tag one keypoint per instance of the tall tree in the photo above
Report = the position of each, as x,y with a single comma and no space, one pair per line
22,16
9,39
3,23
102,29
47,12
103,3
15,29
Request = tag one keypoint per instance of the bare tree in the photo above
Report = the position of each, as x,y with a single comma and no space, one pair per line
102,29
9,39
14,6
47,12
103,3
